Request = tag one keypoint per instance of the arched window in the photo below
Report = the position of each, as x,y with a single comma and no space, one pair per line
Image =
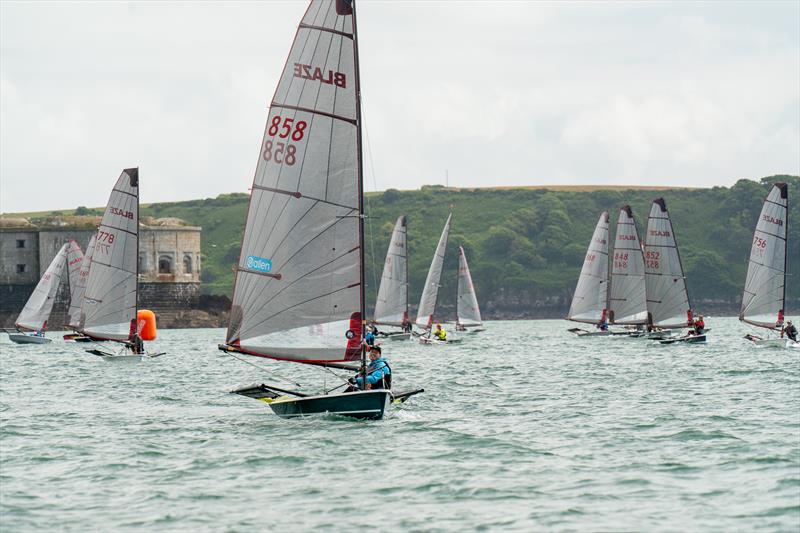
187,264
165,264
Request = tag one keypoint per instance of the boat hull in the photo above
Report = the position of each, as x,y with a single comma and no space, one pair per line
399,336
773,343
430,341
367,405
21,338
692,339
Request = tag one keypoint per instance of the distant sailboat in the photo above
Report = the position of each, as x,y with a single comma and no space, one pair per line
590,301
299,290
764,295
76,314
468,314
110,306
430,292
37,309
668,304
391,305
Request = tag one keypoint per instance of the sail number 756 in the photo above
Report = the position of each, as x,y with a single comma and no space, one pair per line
283,128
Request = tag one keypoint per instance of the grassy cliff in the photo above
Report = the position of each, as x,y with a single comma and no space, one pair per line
525,245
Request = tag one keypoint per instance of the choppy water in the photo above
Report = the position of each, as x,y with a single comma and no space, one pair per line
522,428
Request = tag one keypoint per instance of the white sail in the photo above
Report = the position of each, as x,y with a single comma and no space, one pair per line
590,301
74,264
765,287
76,299
667,298
627,300
109,305
467,311
298,291
430,292
38,307
391,305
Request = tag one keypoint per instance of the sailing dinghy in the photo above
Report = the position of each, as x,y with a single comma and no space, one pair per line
299,290
34,315
765,287
75,314
468,314
430,292
391,305
668,304
590,301
627,301
110,306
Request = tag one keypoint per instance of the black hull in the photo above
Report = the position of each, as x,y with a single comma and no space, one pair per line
367,405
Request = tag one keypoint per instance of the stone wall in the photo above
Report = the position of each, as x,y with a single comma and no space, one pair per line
19,247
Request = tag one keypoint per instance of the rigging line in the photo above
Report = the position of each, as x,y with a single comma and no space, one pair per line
287,380
369,205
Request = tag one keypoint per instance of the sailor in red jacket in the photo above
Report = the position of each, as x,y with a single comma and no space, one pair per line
699,325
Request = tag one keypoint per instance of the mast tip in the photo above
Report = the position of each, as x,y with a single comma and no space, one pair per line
661,203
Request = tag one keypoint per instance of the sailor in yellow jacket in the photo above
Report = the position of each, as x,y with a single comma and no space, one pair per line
440,333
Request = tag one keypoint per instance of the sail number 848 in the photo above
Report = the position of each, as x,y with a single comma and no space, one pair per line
283,128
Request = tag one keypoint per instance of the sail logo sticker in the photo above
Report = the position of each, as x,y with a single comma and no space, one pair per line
120,212
259,264
773,220
659,233
627,237
333,78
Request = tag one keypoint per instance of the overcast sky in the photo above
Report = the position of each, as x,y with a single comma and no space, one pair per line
495,93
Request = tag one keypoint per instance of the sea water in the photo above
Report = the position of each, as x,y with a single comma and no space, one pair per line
524,427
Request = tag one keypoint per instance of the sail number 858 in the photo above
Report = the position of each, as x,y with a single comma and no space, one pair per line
283,128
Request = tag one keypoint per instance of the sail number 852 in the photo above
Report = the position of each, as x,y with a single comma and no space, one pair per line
283,128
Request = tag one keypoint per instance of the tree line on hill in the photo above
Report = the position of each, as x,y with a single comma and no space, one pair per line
526,246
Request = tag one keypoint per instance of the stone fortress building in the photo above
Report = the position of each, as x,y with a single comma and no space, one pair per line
169,263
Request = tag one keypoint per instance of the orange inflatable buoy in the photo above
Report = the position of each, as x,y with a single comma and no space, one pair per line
146,324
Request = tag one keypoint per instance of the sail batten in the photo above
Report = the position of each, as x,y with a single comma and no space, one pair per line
430,292
298,293
668,304
391,304
764,294
37,309
467,311
110,297
590,301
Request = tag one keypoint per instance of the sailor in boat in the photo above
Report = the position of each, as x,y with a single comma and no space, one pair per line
369,338
790,331
440,333
406,326
136,345
603,324
699,326
379,374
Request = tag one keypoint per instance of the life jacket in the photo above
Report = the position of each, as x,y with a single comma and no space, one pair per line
441,334
386,381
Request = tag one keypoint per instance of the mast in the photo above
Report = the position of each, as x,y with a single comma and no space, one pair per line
357,75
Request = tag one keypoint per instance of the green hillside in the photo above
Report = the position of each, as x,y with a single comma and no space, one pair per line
525,245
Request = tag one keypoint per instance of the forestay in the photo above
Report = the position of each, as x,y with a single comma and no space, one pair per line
38,307
589,303
109,305
430,292
298,290
75,260
76,316
667,298
765,287
627,301
467,311
391,306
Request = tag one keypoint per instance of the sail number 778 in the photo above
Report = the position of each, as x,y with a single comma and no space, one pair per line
283,152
